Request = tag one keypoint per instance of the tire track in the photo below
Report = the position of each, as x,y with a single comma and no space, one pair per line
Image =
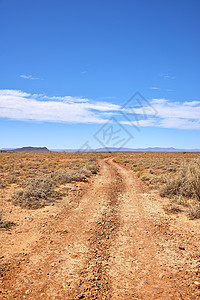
55,261
94,279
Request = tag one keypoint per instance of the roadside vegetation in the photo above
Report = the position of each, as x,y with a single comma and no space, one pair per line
174,175
36,177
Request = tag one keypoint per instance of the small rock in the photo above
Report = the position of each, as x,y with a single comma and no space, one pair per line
182,248
53,264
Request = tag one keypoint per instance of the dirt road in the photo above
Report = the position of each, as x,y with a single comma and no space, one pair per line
116,243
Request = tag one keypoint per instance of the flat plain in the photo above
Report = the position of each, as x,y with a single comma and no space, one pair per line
99,225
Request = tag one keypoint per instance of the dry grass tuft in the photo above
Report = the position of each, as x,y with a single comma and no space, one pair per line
194,177
3,184
186,183
80,173
194,212
37,193
5,225
172,208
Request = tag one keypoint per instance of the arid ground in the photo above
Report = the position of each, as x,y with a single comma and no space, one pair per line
94,226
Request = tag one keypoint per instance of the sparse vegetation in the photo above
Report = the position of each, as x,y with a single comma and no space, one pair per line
81,173
186,183
38,193
175,175
194,212
172,208
5,224
37,176
2,184
194,177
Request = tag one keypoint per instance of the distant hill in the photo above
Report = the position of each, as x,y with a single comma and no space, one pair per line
113,149
149,149
31,149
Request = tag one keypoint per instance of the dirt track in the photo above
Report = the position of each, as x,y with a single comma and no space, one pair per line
116,243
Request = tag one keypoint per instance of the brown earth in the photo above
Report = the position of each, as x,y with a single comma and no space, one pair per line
108,239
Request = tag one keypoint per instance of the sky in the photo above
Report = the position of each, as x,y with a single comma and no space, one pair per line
90,74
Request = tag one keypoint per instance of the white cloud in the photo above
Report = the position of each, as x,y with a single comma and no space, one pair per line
14,93
173,123
158,101
23,106
155,88
169,109
167,76
29,77
19,105
179,123
177,115
141,123
192,103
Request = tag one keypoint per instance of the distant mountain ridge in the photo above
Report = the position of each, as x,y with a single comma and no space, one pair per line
113,149
108,149
149,149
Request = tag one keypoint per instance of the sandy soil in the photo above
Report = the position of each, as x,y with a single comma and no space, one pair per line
107,239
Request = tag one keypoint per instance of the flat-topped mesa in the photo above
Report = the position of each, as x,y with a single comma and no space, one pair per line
31,149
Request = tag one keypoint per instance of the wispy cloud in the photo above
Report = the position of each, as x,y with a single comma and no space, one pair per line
30,77
167,76
192,103
155,88
177,115
19,105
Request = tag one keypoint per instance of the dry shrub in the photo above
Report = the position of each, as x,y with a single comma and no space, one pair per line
194,211
79,174
3,184
37,193
93,168
172,208
5,224
12,179
186,183
194,177
150,178
63,176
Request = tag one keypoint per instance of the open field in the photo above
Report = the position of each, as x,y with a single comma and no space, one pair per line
99,226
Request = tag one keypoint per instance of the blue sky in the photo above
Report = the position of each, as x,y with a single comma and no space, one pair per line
68,68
